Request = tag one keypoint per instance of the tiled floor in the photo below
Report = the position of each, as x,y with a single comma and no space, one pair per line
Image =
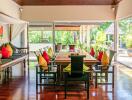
21,88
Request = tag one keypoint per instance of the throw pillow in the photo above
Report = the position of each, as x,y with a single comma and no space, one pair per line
42,62
46,57
105,60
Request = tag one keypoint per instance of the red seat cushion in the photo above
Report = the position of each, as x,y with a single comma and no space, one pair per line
92,53
100,54
46,57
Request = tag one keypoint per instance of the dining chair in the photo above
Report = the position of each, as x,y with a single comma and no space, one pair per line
43,76
77,74
102,74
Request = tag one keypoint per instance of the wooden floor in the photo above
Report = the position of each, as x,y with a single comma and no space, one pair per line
24,88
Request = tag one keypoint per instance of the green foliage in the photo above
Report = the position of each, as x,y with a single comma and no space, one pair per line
102,27
40,37
101,37
129,40
82,46
58,37
123,38
98,36
68,39
124,25
64,37
34,36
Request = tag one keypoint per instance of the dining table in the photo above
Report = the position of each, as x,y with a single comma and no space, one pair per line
62,60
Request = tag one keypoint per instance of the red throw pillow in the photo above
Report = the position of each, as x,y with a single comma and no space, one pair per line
100,54
92,53
46,57
5,52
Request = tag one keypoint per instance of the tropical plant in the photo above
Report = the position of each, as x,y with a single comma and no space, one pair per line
67,38
129,40
58,37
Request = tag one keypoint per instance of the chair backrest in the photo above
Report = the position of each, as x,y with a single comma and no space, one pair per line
111,55
77,65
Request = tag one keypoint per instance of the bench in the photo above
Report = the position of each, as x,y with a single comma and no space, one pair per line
20,55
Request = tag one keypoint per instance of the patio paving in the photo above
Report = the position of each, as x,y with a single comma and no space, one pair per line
123,58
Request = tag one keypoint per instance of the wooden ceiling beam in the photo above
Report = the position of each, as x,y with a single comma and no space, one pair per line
67,2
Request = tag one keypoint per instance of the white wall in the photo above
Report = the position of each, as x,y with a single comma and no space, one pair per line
124,9
67,13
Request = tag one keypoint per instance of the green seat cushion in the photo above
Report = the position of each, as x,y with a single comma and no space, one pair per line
68,68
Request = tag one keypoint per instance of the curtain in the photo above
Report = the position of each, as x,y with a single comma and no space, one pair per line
17,29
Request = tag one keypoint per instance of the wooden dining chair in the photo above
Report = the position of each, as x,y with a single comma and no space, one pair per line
102,74
43,77
76,74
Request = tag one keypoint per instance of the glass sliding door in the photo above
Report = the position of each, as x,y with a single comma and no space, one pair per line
125,42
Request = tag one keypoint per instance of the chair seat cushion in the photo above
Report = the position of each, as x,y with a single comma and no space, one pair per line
68,68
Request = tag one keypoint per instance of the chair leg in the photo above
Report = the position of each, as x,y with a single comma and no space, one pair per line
65,86
85,85
54,79
113,78
96,79
87,89
36,79
106,76
40,77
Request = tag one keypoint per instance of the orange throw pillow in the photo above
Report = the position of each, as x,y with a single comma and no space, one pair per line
42,62
105,60
10,50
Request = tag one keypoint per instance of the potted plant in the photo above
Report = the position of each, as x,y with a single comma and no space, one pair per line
64,46
64,43
58,41
129,44
70,42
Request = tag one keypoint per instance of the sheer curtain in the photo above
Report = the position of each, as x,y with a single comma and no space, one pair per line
16,29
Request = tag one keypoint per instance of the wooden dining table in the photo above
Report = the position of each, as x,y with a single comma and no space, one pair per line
62,60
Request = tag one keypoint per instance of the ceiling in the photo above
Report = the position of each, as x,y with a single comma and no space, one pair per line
67,2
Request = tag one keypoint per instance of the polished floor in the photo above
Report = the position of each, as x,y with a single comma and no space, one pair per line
24,88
